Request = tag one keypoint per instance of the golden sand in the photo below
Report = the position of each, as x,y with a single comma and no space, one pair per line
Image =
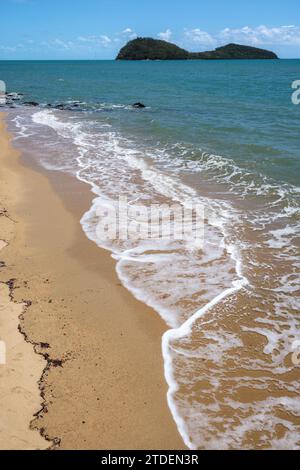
21,368
103,387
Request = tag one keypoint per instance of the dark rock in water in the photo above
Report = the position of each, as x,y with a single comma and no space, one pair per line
64,106
60,106
14,96
9,99
31,103
139,105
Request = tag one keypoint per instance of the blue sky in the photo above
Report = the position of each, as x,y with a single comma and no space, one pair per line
96,29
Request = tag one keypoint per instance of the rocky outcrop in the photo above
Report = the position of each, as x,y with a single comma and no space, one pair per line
151,49
139,105
154,49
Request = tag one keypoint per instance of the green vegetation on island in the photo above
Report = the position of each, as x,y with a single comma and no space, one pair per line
155,49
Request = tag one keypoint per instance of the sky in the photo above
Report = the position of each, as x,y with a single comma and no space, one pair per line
97,29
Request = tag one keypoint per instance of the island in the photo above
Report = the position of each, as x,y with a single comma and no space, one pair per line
155,49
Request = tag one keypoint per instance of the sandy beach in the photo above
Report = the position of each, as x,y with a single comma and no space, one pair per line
95,380
149,230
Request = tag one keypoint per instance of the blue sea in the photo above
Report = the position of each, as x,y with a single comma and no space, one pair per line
226,135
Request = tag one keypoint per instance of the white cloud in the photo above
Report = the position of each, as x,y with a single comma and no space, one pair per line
8,48
166,35
105,40
102,39
90,40
259,36
128,33
198,37
57,44
86,38
262,35
62,44
285,38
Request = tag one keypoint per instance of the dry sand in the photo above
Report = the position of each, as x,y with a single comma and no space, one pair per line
20,367
103,387
19,393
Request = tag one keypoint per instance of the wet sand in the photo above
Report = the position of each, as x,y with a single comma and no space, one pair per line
103,386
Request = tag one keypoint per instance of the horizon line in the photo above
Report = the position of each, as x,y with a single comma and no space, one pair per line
145,60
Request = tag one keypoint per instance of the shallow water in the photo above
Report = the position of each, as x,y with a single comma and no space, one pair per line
222,134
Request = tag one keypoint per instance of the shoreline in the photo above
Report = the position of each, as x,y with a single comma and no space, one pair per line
104,385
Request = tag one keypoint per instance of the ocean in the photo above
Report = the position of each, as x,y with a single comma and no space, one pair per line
224,134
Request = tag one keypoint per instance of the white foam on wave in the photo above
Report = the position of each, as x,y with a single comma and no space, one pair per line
282,237
22,126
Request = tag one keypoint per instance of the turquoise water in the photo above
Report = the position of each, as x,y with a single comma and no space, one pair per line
224,135
240,110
